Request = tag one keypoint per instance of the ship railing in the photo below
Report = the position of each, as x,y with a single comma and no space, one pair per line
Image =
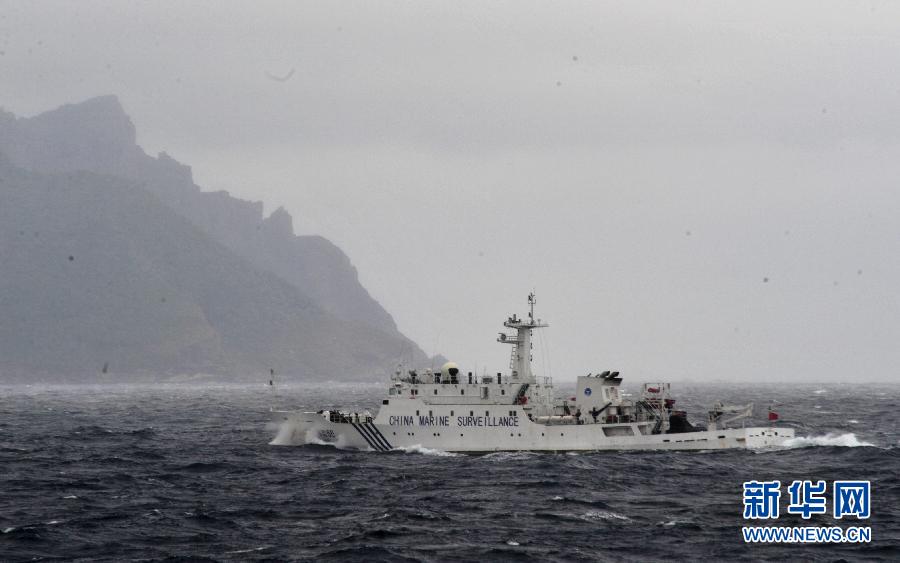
344,417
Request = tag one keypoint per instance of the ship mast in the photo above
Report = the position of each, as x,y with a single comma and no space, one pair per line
521,356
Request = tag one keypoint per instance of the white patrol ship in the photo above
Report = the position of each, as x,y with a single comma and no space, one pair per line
517,411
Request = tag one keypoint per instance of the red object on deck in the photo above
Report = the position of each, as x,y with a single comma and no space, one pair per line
773,415
652,389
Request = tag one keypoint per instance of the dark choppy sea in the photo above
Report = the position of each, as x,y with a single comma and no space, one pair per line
186,473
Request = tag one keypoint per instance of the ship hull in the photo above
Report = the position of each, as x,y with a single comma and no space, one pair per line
298,428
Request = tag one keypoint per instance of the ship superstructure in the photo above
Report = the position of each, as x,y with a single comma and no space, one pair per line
452,411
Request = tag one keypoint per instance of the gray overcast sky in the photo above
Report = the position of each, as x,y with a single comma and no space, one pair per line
642,166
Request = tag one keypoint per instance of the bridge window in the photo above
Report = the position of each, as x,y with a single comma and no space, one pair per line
487,413
503,391
385,401
435,391
462,391
417,413
451,413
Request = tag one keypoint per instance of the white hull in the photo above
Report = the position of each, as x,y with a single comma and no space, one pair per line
453,412
311,428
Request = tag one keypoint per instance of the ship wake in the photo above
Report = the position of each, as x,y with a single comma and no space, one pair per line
832,439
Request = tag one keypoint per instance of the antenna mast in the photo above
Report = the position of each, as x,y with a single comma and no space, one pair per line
520,357
531,302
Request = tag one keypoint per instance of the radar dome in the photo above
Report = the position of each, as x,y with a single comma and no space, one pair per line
449,370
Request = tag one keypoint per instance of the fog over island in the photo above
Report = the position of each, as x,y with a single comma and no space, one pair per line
702,191
117,264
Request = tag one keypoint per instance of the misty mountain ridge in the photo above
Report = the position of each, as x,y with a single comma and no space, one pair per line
115,258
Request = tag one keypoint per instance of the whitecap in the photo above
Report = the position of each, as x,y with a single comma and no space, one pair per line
511,542
848,440
604,515
419,449
853,421
820,391
70,496
509,456
557,498
251,550
8,530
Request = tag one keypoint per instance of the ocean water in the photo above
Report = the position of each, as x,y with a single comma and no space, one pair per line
176,472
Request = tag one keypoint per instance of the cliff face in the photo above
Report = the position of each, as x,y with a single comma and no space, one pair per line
112,257
98,136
